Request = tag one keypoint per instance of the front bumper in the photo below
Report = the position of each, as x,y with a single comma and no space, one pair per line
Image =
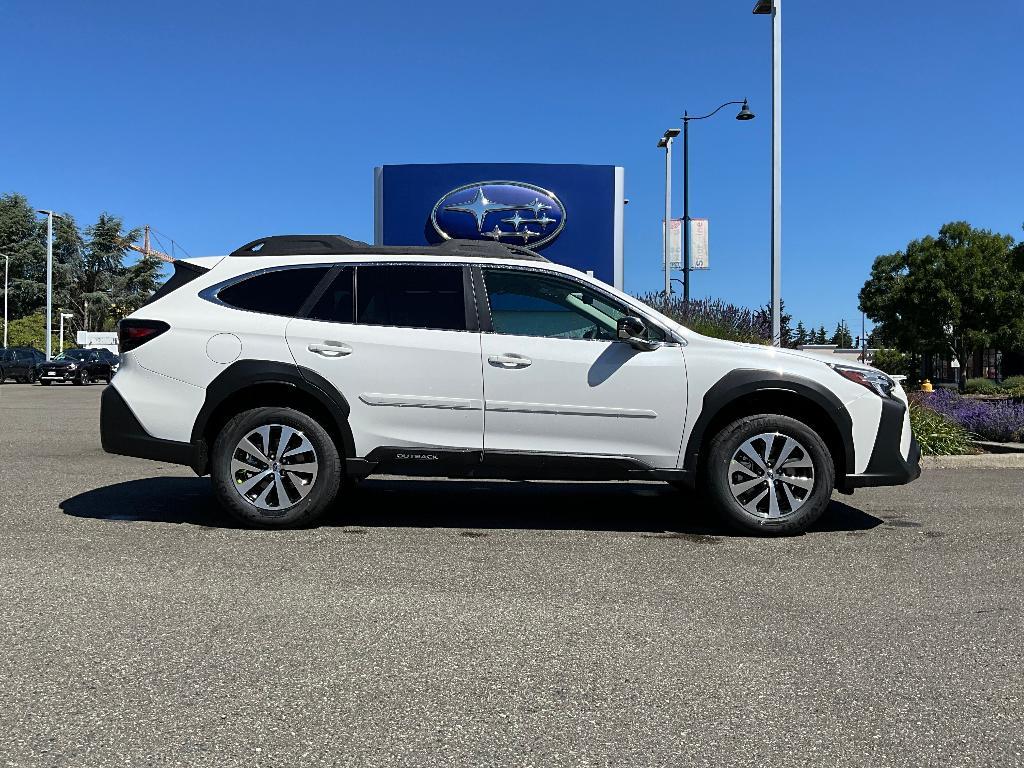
887,466
57,374
122,434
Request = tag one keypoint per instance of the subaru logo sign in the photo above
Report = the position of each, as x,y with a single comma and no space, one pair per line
504,211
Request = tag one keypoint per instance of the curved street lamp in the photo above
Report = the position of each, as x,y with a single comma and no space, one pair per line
744,114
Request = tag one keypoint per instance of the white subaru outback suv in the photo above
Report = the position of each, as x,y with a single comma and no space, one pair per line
299,362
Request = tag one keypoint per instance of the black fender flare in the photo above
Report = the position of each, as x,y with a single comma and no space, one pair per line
245,374
747,381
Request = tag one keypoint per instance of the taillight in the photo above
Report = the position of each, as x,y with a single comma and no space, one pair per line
135,333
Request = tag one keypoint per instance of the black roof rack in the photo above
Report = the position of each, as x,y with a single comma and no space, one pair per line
328,245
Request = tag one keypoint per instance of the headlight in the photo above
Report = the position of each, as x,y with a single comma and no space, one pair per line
876,381
72,366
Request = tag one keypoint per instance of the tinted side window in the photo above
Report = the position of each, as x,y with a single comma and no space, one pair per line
529,304
337,303
411,296
278,292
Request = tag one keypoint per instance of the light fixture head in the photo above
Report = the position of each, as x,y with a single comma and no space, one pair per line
763,7
745,113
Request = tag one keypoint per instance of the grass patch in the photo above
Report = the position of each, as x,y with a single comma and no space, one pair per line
937,435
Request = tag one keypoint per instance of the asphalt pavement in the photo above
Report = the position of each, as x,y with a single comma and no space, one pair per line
494,624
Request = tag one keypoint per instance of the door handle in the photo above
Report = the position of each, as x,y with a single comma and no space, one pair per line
509,360
330,349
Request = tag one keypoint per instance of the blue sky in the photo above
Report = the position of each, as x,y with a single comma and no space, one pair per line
218,122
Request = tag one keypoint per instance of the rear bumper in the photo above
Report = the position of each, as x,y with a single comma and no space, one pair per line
887,466
122,434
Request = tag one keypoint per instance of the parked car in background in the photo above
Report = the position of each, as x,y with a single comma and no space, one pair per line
20,364
79,366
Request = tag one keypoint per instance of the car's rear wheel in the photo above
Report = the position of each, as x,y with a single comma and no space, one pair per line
33,376
769,474
275,468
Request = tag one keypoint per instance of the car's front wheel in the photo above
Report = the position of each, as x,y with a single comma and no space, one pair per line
275,468
769,474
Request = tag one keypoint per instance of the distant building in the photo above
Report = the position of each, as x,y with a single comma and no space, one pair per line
97,340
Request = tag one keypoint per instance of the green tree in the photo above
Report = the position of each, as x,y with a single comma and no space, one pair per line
960,291
842,338
30,331
820,336
21,238
104,282
800,337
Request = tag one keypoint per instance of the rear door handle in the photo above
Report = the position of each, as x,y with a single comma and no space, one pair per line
510,360
330,349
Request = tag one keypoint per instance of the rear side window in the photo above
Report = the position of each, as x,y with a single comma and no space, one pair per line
337,304
411,296
278,292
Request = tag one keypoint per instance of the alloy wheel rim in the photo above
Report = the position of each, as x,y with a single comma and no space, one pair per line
274,467
771,475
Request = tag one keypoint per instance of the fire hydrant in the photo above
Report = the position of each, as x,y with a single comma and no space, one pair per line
926,386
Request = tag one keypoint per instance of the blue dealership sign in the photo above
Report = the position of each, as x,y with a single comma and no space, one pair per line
573,214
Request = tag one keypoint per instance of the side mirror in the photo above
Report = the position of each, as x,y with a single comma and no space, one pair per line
633,330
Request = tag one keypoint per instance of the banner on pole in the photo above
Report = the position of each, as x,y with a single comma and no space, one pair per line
675,243
699,244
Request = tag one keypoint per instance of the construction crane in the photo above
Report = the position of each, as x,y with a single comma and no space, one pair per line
146,250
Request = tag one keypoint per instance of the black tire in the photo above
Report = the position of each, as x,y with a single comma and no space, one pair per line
757,516
306,510
81,379
33,377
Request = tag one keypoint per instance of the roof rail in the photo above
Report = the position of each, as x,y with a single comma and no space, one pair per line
326,245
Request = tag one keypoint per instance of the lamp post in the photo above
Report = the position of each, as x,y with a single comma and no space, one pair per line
63,315
7,268
666,142
774,8
743,114
49,281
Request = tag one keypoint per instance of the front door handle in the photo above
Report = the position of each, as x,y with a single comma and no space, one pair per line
509,360
330,349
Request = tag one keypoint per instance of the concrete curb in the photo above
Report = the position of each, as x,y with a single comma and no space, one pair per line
981,461
991,447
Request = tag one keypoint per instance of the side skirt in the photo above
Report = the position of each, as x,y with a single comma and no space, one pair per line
507,465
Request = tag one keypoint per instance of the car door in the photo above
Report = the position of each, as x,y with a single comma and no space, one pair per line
401,344
557,380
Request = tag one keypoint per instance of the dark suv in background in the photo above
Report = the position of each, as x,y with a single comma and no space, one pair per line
21,364
79,366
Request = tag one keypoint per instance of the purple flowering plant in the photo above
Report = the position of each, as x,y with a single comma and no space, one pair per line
997,420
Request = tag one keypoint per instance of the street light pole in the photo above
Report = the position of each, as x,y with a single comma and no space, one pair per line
49,281
743,114
62,316
666,142
7,268
774,7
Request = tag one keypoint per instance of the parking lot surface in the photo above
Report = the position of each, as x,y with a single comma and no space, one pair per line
493,624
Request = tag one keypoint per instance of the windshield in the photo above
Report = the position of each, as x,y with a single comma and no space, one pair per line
75,354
